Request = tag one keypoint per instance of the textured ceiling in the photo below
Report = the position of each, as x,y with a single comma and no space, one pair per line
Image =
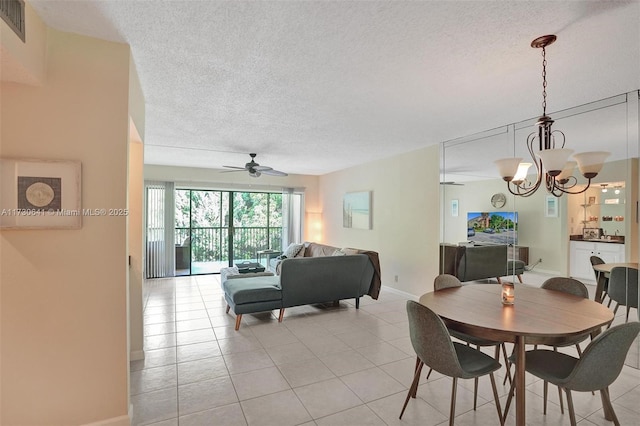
318,86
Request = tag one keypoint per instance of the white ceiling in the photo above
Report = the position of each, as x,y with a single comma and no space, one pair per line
318,86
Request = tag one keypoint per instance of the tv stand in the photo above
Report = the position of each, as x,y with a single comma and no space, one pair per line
519,253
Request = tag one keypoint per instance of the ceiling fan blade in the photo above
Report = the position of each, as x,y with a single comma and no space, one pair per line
232,171
261,168
451,183
274,172
235,167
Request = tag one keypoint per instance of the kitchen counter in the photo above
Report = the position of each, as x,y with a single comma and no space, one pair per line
610,239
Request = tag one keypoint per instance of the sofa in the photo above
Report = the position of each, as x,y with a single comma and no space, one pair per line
320,274
479,262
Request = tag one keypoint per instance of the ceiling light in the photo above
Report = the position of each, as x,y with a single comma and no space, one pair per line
550,159
604,187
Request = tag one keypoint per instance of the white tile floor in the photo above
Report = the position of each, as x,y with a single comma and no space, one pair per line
321,366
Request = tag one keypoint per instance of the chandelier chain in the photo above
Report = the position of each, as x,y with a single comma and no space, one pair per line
544,81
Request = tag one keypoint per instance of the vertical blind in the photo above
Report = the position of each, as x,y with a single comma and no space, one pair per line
159,222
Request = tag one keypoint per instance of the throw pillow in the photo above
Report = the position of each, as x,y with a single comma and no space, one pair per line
292,250
338,252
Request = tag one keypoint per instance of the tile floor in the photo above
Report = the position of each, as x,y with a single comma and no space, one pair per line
322,365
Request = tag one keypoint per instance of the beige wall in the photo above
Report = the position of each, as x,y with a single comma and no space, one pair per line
135,237
535,231
63,308
406,216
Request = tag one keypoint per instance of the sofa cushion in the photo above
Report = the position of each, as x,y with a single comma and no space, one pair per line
254,289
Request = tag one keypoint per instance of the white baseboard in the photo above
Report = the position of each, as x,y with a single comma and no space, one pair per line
401,293
115,421
136,355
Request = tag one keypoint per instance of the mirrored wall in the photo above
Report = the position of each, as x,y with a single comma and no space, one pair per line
552,236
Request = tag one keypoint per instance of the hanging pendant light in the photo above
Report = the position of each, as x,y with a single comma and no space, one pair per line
551,157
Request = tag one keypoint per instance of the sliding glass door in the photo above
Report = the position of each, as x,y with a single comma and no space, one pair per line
216,229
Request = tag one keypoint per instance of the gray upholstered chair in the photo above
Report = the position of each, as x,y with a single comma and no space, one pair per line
433,345
576,288
443,281
623,288
599,366
595,260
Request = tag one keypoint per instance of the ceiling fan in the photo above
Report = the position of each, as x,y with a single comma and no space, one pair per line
255,169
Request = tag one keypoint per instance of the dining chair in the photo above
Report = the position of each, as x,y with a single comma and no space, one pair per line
623,288
432,343
595,260
599,366
576,288
443,281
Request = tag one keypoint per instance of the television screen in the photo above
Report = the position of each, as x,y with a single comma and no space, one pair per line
492,227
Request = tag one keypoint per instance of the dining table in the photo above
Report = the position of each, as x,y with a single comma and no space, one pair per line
538,316
604,270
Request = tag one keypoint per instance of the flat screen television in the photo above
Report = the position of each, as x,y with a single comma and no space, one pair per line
492,227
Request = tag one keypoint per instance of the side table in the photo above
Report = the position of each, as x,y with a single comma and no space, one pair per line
268,255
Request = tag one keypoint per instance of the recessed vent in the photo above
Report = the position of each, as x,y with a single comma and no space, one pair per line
12,11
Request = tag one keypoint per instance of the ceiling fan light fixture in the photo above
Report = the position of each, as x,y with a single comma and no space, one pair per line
547,149
255,170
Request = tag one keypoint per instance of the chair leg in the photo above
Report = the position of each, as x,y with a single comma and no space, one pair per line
281,315
452,410
413,388
561,399
606,400
238,319
520,278
357,303
627,317
572,413
545,393
507,363
496,399
475,393
509,398
228,307
415,370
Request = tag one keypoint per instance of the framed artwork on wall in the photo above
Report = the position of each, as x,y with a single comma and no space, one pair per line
356,210
551,206
454,208
40,194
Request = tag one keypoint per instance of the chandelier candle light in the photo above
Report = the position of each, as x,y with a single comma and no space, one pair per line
551,157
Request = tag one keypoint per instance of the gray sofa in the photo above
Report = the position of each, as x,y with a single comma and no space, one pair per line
307,280
478,262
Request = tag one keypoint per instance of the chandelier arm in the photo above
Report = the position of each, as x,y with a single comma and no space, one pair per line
566,191
553,138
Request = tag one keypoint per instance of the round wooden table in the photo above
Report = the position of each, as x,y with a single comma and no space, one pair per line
538,316
603,271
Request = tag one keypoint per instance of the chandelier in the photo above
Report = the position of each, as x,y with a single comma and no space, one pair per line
551,157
